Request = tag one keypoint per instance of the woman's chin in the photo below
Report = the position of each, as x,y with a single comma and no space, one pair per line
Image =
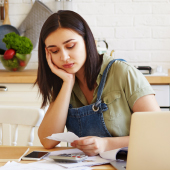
70,71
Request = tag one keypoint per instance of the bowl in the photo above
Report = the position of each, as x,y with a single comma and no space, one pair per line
17,63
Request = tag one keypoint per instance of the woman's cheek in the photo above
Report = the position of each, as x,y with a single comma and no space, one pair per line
54,60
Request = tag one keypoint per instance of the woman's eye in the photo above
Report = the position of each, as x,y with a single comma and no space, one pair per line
54,52
70,46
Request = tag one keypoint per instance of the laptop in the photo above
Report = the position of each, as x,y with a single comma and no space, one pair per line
149,143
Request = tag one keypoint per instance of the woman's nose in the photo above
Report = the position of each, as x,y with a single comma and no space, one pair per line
64,56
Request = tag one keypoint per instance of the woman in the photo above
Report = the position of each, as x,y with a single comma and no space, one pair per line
93,95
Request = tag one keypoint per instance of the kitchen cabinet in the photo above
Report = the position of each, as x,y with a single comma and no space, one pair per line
161,86
19,95
162,96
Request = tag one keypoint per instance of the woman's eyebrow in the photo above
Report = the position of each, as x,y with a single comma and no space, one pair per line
51,46
68,41
63,43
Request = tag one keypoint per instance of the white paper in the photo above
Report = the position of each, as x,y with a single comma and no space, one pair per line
90,161
64,137
51,165
7,163
112,153
40,165
13,166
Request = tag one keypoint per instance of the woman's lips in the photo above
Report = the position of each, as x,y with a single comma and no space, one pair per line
68,65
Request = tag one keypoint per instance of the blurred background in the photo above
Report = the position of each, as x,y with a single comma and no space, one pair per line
137,30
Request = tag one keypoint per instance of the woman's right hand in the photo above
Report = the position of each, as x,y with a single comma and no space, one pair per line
66,77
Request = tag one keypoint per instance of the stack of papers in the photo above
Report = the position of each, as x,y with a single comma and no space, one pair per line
50,164
103,158
90,161
40,165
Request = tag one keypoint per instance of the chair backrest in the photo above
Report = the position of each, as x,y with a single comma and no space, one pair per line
14,115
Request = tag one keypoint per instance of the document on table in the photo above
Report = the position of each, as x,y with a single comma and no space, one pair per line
40,165
90,161
70,137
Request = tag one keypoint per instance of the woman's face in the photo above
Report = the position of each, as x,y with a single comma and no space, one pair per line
67,49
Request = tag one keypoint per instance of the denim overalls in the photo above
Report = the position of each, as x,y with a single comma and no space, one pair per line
88,120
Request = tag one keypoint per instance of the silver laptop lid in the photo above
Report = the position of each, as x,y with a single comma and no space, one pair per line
149,145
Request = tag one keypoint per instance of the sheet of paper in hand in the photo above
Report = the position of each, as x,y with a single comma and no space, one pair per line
64,137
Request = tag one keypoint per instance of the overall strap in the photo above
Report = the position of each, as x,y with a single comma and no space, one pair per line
102,82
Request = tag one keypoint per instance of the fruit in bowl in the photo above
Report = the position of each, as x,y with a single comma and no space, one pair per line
14,61
18,54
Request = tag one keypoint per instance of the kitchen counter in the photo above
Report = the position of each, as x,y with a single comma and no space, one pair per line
29,76
157,80
26,76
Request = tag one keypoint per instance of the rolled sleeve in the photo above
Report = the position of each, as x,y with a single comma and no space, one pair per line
136,86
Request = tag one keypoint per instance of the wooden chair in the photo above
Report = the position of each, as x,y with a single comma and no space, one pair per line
16,116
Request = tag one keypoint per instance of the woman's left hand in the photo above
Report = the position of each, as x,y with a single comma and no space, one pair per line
90,145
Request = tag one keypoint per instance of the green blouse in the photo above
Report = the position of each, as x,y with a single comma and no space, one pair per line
124,85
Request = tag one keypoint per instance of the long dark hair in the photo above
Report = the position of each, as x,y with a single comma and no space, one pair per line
49,84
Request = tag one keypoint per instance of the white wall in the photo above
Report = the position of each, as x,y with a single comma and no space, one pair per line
138,30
